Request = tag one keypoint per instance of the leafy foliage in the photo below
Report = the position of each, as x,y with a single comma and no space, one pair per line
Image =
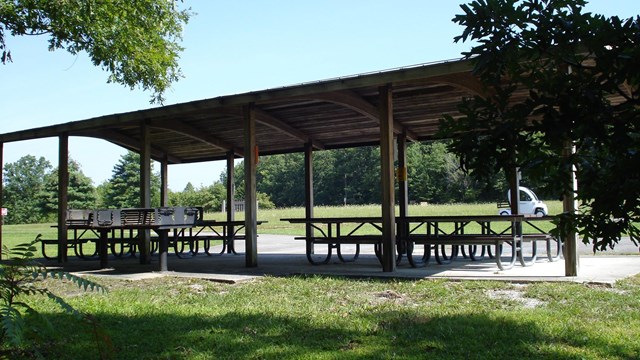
137,42
353,175
31,190
23,180
556,77
81,193
208,197
123,189
18,280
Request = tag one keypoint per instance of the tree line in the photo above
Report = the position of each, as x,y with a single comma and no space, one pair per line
343,176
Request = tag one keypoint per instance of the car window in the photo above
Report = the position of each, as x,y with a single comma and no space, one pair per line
524,196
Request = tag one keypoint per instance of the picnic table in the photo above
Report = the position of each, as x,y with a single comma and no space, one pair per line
205,231
160,220
443,237
330,231
447,236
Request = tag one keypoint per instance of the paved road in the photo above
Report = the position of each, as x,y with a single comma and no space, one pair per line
624,247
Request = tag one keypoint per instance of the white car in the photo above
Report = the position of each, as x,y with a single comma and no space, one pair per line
529,204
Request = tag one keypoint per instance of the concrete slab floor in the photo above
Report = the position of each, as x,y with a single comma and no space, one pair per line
280,255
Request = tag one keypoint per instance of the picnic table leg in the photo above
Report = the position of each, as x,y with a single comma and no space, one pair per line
163,248
229,239
103,248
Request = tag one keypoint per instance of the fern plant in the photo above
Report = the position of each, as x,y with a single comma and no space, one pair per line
18,280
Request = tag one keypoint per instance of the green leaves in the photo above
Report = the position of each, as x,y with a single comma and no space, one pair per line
137,42
18,279
555,76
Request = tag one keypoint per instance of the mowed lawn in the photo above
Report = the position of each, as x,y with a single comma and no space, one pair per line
337,318
316,317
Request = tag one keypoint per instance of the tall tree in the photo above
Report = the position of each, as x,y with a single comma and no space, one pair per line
23,180
282,178
137,42
550,70
123,190
81,193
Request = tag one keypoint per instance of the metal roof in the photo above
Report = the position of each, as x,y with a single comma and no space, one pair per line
334,113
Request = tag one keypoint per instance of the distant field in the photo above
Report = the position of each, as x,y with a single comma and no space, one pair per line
275,226
15,234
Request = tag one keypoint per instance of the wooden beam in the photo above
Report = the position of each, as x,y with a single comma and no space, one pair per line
464,80
271,121
387,180
265,118
308,187
570,205
355,102
63,191
194,133
145,189
164,182
250,206
403,187
130,143
231,210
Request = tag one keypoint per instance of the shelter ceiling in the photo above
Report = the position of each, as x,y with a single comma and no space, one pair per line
330,114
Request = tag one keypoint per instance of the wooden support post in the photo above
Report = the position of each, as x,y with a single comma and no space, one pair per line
403,187
164,181
250,206
308,186
387,179
231,210
570,205
63,191
145,190
513,177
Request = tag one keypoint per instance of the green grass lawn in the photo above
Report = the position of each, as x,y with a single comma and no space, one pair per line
319,317
335,318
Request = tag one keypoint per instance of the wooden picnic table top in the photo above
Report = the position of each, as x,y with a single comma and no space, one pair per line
129,226
460,218
225,222
327,220
420,218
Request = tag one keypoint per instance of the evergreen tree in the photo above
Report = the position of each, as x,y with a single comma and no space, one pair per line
81,193
123,190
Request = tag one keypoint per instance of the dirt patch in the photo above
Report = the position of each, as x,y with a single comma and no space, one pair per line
389,295
515,295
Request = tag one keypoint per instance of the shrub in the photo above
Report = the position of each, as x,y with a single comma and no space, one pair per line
19,275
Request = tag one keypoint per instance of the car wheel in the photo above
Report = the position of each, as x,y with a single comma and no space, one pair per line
539,213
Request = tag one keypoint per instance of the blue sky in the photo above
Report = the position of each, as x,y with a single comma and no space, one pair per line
231,47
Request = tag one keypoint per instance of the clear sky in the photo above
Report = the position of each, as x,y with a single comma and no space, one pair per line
231,47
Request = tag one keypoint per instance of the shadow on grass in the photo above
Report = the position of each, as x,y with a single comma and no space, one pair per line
391,334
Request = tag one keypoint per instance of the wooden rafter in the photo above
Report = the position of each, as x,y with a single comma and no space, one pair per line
195,133
273,122
353,101
130,143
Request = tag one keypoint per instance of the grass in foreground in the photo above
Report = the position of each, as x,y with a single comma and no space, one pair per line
335,318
